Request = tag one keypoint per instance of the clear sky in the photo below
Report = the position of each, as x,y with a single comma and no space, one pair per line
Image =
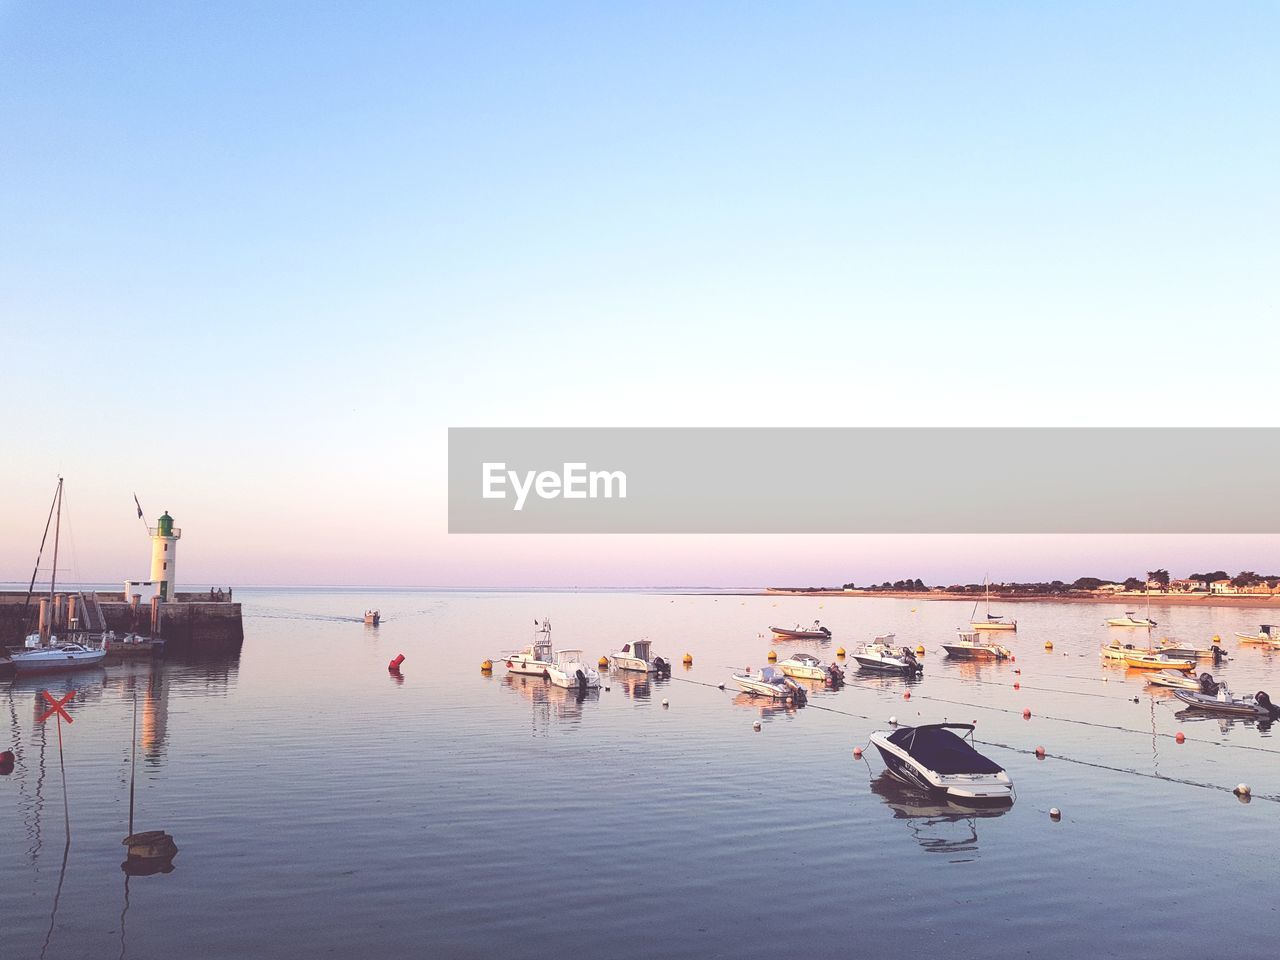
256,258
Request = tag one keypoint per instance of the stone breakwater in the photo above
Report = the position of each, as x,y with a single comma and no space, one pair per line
190,623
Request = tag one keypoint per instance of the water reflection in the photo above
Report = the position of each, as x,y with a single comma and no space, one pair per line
765,706
937,824
549,700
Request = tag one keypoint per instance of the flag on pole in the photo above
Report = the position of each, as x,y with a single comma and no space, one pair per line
138,505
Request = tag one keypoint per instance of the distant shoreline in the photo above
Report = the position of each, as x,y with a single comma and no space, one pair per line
1130,600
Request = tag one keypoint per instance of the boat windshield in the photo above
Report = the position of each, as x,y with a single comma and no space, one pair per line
771,675
942,751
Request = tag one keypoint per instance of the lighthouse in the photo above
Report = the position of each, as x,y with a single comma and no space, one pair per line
164,550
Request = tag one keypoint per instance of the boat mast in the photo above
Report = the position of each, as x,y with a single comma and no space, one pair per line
53,574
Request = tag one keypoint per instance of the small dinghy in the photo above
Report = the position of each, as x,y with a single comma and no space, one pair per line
770,682
805,666
1258,707
1174,680
881,655
816,632
637,656
372,618
935,759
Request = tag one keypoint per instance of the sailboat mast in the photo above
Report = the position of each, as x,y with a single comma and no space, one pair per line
53,574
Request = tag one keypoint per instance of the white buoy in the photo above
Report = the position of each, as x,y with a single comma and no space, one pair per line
722,686
1242,790
893,721
1055,813
664,701
755,725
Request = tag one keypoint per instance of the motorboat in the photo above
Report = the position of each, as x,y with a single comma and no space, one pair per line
372,618
935,759
1156,660
1115,650
1129,620
991,621
969,646
1174,680
805,666
54,657
638,656
816,632
770,682
535,659
1267,633
881,654
570,670
1258,707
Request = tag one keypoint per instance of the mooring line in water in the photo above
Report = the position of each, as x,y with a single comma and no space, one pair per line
1128,770
1104,726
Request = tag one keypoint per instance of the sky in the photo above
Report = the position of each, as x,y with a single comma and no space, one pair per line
255,259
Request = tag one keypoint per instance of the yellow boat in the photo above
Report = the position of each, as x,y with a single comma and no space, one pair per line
1155,660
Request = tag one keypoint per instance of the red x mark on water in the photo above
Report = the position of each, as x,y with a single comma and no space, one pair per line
57,706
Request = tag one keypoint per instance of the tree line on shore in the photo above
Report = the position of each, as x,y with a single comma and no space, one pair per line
1155,579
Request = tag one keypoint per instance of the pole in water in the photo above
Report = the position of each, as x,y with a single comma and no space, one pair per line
133,761
66,807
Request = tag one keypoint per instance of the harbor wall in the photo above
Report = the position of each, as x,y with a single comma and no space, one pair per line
196,624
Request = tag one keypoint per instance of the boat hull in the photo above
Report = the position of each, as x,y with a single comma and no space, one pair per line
1229,708
527,666
886,665
994,625
965,652
968,789
761,689
1156,662
800,634
27,666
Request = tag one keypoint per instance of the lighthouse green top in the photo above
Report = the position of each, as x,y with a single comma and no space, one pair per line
164,526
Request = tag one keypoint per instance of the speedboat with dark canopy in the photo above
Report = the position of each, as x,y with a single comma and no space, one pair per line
935,759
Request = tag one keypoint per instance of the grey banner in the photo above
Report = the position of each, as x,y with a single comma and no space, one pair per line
864,480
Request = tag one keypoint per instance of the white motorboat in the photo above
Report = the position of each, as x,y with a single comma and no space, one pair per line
535,659
54,657
1267,633
569,669
1182,650
938,761
1129,620
991,621
805,666
969,646
770,682
883,655
638,656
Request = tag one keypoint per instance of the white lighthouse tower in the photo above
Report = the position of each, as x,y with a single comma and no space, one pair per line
164,550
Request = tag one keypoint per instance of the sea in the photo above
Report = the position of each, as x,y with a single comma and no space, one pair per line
325,806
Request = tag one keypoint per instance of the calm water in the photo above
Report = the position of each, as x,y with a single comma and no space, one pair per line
323,808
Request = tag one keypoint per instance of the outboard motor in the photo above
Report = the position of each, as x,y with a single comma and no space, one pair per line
913,665
1218,654
661,667
835,675
798,694
582,680
1265,702
1208,686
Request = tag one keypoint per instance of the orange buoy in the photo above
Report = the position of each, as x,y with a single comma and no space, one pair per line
603,662
486,666
773,655
840,651
394,665
1180,738
688,659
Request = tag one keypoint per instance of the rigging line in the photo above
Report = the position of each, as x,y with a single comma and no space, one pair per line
34,573
1127,770
1101,726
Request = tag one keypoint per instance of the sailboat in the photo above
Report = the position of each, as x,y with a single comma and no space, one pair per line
43,652
991,621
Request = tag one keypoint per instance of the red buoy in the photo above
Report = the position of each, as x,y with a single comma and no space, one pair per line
1026,713
1017,685
1039,753
1180,738
906,694
857,753
394,665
